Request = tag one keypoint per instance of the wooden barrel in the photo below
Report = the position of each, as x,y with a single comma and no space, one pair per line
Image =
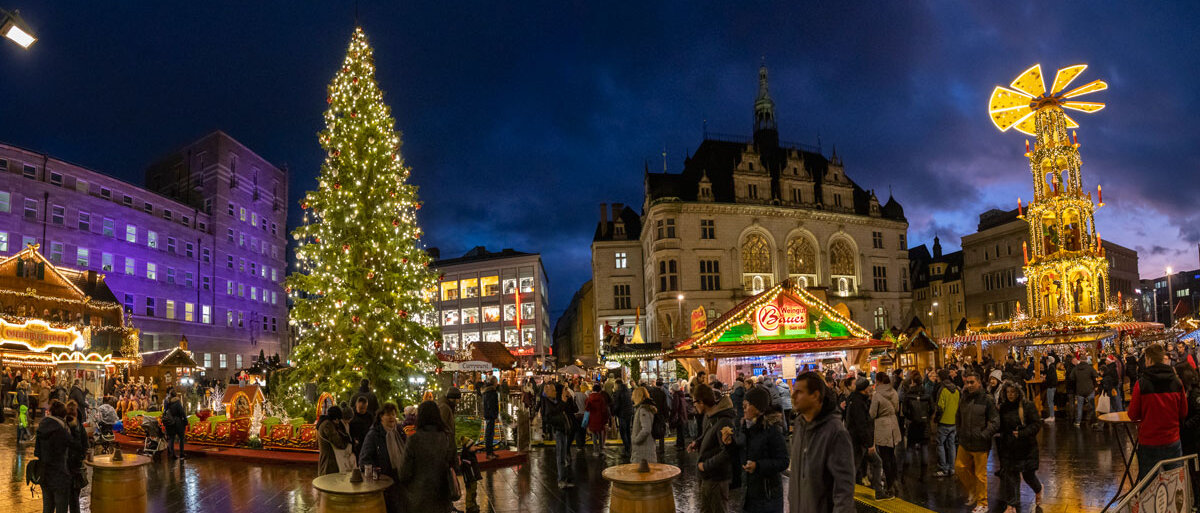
339,495
641,492
358,503
119,487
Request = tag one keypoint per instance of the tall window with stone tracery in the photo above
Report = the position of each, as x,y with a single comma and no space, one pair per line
842,270
756,263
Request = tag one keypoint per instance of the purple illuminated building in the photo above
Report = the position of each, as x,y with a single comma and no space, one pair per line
200,251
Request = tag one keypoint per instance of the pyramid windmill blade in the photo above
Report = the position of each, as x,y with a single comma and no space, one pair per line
1008,107
1030,82
1090,87
1065,76
1070,122
1027,125
1083,106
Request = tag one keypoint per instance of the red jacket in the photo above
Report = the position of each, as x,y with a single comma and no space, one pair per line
1160,403
597,408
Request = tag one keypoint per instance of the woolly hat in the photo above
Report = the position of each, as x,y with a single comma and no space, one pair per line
759,397
861,384
997,375
453,393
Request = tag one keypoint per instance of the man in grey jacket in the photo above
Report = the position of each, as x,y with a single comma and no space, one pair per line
822,456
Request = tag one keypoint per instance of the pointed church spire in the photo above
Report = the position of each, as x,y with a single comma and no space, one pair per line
765,130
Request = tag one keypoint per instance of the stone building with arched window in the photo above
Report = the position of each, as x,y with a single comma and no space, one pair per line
745,214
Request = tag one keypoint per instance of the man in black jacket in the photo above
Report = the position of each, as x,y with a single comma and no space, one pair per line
717,448
177,427
822,475
360,424
1110,384
491,412
1083,376
622,409
663,408
862,432
976,421
1050,373
364,390
50,448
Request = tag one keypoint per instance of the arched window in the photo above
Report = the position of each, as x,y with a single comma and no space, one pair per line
842,268
756,255
756,263
802,258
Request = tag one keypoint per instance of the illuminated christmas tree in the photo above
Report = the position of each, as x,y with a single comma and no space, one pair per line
358,301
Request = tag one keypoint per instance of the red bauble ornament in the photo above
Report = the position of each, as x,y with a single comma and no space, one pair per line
337,153
345,247
304,205
403,314
417,205
442,276
353,114
355,80
337,185
354,319
318,239
404,260
328,99
370,275
395,222
346,68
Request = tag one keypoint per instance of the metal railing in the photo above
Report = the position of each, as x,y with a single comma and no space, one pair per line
1183,490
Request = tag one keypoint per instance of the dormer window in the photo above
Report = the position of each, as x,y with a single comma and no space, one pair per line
619,229
705,191
750,165
752,191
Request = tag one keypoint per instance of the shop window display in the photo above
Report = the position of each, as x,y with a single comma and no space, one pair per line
510,287
491,314
526,285
470,315
470,288
469,338
491,285
449,290
527,337
511,338
449,317
510,312
491,336
450,341
527,311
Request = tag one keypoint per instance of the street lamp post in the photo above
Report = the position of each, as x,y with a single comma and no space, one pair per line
1170,300
679,320
15,29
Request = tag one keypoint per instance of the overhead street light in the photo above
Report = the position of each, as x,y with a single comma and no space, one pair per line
15,29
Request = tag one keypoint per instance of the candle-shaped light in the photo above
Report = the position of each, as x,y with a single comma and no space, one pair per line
1075,137
1025,251
1020,213
1099,243
1100,194
1026,147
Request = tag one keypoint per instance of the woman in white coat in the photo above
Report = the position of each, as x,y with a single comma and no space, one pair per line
643,427
885,405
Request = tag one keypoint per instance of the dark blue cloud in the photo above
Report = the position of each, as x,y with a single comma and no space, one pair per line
519,118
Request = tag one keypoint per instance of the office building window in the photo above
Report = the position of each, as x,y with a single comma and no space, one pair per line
205,255
208,360
241,289
187,279
879,274
189,250
752,191
622,260
189,312
708,229
130,233
56,252
150,306
242,214
56,178
81,186
31,206
170,309
106,193
152,270
127,200
229,210
206,314
57,214
229,261
668,275
171,275
223,360
29,172
205,282
171,245
81,257
241,319
130,266
152,239
128,303
4,241
710,275
110,228
665,228
229,288
148,208
903,241
622,299
5,202
85,221
26,241
229,318
229,234
106,261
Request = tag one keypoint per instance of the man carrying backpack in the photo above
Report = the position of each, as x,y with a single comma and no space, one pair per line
663,404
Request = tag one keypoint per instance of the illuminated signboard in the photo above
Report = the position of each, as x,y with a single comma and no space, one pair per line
781,317
784,318
37,335
699,320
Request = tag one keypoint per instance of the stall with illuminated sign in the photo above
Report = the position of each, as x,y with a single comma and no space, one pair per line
66,321
780,332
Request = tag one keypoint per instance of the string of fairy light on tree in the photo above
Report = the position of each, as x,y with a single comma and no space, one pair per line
358,304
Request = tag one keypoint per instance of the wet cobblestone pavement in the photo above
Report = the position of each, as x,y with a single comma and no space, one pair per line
1080,469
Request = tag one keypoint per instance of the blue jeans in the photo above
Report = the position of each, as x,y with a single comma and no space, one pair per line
1150,455
946,447
562,456
489,433
1050,401
625,426
1117,403
1084,405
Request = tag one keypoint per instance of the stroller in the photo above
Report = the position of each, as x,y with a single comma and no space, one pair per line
155,442
103,439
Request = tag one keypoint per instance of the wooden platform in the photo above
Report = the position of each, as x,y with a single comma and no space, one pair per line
864,500
505,459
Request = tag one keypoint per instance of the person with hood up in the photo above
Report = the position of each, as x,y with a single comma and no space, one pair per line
176,425
861,426
1083,376
945,412
643,427
1159,403
768,383
916,413
364,390
1017,447
738,395
383,447
765,455
428,459
331,435
717,448
885,405
491,412
822,460
993,384
596,406
976,423
51,445
784,400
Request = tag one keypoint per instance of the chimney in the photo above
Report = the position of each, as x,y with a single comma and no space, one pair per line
616,210
603,218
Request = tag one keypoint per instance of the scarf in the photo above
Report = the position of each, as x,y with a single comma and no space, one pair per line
395,447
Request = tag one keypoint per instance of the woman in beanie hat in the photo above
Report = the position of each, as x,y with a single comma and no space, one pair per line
717,447
331,436
766,455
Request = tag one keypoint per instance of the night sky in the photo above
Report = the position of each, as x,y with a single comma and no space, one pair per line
519,119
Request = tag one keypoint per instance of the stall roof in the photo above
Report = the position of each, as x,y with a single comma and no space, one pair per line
725,350
175,357
494,353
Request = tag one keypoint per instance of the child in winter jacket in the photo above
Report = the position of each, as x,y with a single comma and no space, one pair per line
23,424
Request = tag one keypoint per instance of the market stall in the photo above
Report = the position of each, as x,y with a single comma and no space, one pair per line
783,332
171,367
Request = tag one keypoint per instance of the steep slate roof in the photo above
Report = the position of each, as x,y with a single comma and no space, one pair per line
633,226
717,160
921,259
